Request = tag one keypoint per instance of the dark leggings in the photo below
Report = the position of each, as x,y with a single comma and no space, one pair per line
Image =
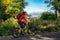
22,24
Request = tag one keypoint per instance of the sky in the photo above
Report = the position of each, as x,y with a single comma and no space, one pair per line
36,6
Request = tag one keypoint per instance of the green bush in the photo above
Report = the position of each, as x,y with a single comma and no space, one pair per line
8,27
45,23
38,25
48,16
52,29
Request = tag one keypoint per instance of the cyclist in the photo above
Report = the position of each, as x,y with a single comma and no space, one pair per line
23,21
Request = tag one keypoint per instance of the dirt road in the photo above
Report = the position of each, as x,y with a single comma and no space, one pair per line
39,36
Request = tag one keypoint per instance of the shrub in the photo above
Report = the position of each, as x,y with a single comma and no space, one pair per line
8,27
48,16
38,25
52,29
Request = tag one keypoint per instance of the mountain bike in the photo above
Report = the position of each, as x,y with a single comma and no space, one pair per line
20,32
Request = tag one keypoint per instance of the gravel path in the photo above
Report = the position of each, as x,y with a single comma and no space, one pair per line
39,36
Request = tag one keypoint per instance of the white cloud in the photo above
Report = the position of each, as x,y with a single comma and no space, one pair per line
35,10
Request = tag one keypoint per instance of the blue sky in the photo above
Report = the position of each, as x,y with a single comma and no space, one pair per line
36,6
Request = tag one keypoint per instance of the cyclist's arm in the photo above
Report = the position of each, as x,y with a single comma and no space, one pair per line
25,18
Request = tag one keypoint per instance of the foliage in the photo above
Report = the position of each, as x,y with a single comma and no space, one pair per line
11,7
8,27
8,10
52,29
55,5
48,16
39,25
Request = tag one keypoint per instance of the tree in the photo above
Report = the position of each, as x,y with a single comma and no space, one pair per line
55,5
8,8
48,16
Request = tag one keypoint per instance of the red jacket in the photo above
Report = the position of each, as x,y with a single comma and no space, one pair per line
22,17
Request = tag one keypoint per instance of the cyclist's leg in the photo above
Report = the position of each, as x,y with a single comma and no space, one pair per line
22,28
